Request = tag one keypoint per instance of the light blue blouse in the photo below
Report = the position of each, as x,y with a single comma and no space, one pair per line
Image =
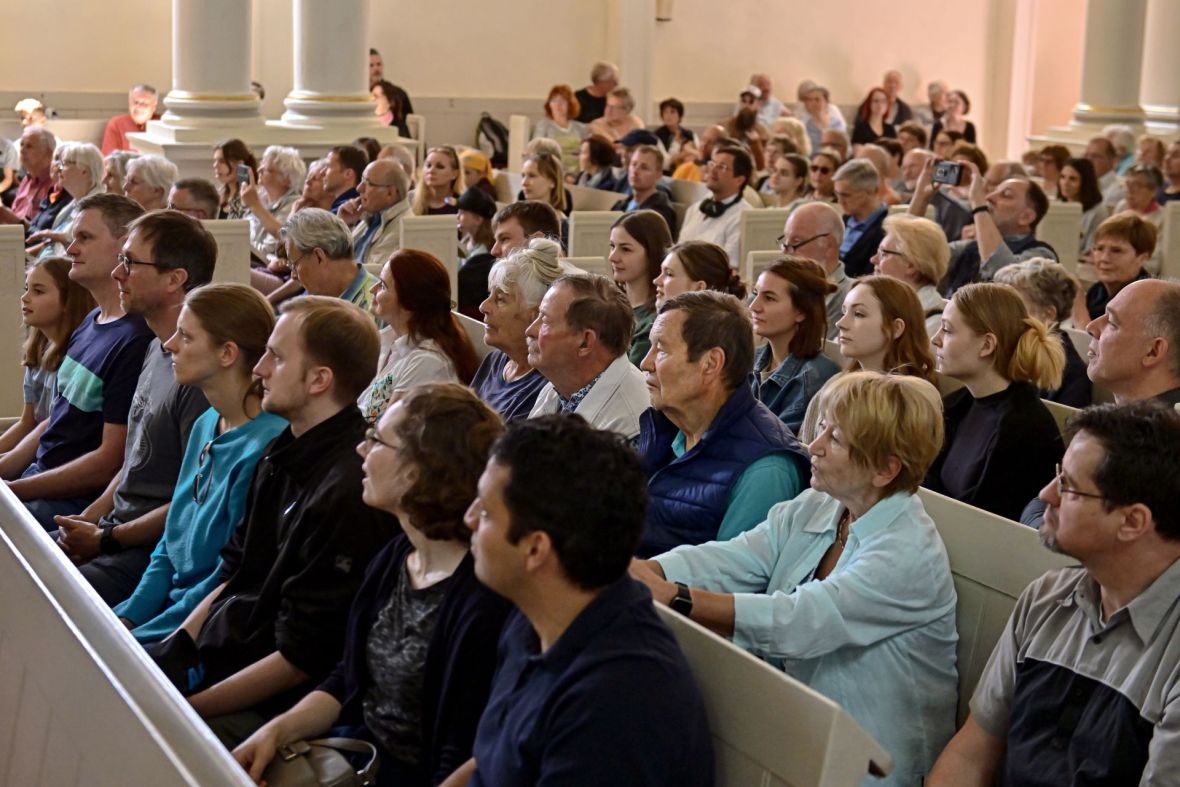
877,635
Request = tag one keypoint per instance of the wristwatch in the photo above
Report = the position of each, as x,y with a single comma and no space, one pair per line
107,544
682,601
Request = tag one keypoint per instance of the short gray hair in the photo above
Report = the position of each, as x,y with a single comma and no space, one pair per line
289,164
316,228
117,160
1046,283
529,272
43,135
156,171
860,174
1121,136
84,155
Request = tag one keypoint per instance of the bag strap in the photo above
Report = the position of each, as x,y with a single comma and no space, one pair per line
369,772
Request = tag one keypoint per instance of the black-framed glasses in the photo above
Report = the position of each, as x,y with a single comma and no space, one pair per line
203,480
889,252
791,248
370,184
127,262
1062,489
372,438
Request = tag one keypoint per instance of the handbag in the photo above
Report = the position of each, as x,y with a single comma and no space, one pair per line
319,763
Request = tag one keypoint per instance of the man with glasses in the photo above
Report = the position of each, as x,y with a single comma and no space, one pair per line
166,255
815,230
858,191
376,215
194,197
320,253
1081,686
65,465
141,107
718,218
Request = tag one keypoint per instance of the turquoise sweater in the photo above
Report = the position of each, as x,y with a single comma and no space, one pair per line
183,568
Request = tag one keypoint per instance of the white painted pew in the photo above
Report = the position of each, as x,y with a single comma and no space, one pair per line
417,126
12,286
895,209
1169,242
435,235
1061,413
754,263
475,332
686,192
233,250
1062,229
1080,340
992,559
590,232
760,229
518,139
598,265
80,702
588,199
769,729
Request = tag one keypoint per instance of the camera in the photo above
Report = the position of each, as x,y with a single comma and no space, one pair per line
948,172
243,173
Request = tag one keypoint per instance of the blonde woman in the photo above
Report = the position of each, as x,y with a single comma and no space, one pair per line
914,250
442,183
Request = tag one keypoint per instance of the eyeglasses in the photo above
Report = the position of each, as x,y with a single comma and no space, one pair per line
127,262
887,252
1062,489
203,476
722,167
372,438
822,170
791,248
370,184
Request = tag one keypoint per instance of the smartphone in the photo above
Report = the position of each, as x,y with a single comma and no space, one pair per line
948,172
243,173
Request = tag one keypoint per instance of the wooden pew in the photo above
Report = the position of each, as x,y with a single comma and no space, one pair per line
754,263
1169,242
598,265
475,332
760,229
588,199
992,559
436,235
518,139
590,232
12,286
233,250
1062,229
768,728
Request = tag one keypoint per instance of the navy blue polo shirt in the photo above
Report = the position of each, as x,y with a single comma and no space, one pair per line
612,702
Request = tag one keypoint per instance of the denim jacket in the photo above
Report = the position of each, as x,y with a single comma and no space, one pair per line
790,387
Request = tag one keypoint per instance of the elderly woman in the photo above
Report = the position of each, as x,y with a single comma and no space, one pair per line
619,117
272,197
817,113
516,285
558,124
149,179
847,587
81,175
420,644
914,250
1049,292
116,170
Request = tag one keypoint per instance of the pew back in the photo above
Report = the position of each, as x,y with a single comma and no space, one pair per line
590,232
599,265
588,199
474,331
233,249
1170,241
12,286
436,235
760,229
1061,228
754,263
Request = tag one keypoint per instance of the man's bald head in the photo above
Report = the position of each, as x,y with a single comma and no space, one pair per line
383,185
1136,347
710,137
815,230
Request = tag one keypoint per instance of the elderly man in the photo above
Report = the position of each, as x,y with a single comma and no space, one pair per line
815,230
1080,686
320,252
770,108
36,157
342,174
195,197
900,112
1005,221
1101,153
911,169
716,458
1122,137
858,190
376,214
936,93
591,688
717,218
516,223
999,171
1136,349
604,78
579,343
141,107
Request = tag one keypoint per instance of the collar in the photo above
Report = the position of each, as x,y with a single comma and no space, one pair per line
882,515
1170,397
570,405
837,275
786,370
353,290
1146,611
343,198
394,210
853,224
302,457
590,622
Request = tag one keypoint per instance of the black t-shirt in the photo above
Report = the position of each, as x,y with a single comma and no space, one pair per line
592,107
1098,296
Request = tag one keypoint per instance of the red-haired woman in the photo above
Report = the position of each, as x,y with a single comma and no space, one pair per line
561,107
870,118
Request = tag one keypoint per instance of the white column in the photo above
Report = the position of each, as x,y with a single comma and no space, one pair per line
211,66
1159,92
331,65
632,28
1111,63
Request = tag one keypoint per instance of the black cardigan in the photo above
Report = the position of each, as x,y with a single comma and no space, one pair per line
460,660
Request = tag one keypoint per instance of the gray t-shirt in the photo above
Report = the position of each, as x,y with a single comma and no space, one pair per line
40,386
158,425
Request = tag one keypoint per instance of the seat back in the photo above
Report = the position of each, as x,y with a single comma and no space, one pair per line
474,331
993,560
1061,228
518,140
507,187
589,199
233,249
768,728
590,232
1170,241
1081,340
687,192
1061,413
436,235
12,287
80,700
755,262
760,229
417,126
895,209
599,265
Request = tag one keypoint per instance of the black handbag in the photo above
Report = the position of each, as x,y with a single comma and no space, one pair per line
319,763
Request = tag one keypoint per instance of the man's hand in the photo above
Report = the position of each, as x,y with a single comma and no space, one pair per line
351,211
80,539
649,573
976,187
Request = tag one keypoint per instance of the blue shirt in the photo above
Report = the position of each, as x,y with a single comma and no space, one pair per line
853,229
611,702
790,387
343,198
877,635
512,400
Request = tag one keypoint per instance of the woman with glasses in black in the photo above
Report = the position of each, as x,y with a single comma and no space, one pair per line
220,335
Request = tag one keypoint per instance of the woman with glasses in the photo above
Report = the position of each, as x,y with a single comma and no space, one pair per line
914,250
220,335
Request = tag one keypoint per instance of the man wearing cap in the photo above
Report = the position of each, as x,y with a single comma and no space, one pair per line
141,107
644,170
376,215
476,210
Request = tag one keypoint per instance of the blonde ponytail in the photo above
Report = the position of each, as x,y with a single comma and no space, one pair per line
1039,357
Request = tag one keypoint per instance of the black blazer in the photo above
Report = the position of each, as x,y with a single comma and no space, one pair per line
858,260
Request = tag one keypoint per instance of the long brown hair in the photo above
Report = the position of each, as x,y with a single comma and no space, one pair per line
909,353
423,289
708,262
39,351
234,150
650,231
235,313
809,288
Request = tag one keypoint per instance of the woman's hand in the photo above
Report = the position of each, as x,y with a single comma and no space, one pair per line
258,751
249,193
278,265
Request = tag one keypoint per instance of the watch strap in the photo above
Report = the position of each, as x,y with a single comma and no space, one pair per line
107,543
682,601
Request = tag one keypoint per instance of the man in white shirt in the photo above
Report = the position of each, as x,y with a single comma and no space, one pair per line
717,218
1101,153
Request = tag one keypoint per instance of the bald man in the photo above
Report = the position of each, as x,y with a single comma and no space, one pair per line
376,215
815,230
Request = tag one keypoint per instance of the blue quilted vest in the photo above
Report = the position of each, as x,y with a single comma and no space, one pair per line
690,494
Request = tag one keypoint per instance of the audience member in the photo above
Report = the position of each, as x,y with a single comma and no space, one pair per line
1050,161
952,119
560,124
696,265
1150,150
789,181
817,112
342,174
196,198
717,218
315,194
1049,291
55,201
793,129
604,77
596,159
402,155
275,625
899,110
788,312
871,118
32,113
370,145
1001,440
1077,686
745,128
36,157
1141,183
837,140
376,213
542,180
320,252
770,108
915,251
388,108
228,155
1101,154
141,107
1078,183
883,329
271,199
847,586
639,242
166,255
82,446
716,458
1123,138
377,73
440,185
149,179
678,141
80,176
694,163
619,116
517,223
857,188
474,219
643,176
420,646
911,136
1135,352
942,142
478,172
424,342
115,170
1123,244
823,166
887,170
220,335
579,343
816,231
911,169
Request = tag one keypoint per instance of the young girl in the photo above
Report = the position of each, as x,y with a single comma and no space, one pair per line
638,242
51,308
220,335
